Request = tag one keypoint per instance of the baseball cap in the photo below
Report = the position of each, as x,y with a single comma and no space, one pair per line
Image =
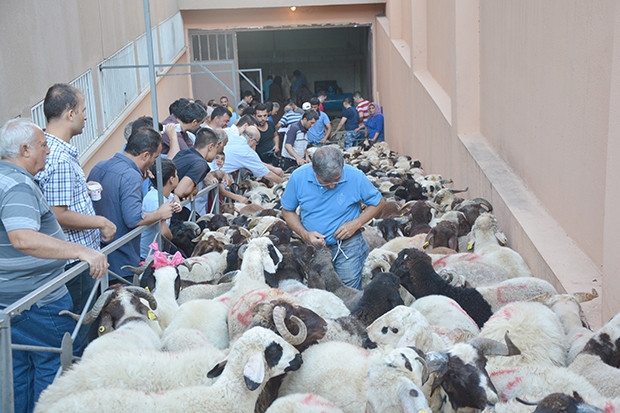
306,106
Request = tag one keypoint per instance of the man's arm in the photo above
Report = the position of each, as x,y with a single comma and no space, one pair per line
294,223
340,125
74,220
170,130
40,245
349,228
328,132
291,151
276,170
162,213
273,178
185,187
276,141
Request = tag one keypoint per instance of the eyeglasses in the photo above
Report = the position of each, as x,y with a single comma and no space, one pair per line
331,184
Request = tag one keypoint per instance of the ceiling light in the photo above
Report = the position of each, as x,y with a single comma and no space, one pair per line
293,8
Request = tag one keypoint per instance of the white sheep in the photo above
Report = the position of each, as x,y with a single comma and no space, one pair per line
345,374
534,329
253,359
599,361
207,316
442,311
484,239
322,302
475,270
515,289
302,402
204,268
165,294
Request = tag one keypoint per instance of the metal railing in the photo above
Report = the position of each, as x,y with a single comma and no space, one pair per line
66,349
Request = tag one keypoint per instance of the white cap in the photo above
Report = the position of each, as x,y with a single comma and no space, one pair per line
306,106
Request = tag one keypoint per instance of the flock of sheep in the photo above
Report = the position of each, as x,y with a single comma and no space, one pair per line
450,319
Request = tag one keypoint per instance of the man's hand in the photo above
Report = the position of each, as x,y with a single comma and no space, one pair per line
346,230
301,161
97,261
315,238
165,210
108,230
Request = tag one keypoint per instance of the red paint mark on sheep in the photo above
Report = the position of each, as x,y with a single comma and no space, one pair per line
249,300
508,290
312,400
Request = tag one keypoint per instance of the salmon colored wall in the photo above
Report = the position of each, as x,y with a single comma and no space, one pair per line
513,101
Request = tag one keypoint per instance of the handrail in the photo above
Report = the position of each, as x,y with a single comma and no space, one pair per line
6,357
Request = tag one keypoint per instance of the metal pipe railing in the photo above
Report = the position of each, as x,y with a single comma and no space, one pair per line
6,358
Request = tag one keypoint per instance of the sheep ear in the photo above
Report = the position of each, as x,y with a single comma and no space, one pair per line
217,370
254,371
501,238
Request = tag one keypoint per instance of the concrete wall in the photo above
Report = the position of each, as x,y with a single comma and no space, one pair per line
514,100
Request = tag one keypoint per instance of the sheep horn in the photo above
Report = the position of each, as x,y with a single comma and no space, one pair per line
490,347
436,206
279,313
142,293
92,315
205,217
456,191
484,202
189,264
436,361
425,374
139,270
445,181
583,297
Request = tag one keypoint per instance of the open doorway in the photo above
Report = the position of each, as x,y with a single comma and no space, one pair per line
338,58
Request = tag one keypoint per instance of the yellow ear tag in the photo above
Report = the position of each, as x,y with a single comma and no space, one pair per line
101,329
147,289
152,315
426,244
470,246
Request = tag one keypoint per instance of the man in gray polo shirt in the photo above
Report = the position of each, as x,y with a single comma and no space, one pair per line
33,251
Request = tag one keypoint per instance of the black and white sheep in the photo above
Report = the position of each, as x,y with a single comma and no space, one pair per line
253,359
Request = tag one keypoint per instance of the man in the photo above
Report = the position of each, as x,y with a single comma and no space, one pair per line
33,251
219,118
121,201
299,80
64,185
294,152
350,122
292,114
329,195
190,118
240,153
322,129
193,163
269,144
361,105
224,103
174,110
246,98
322,96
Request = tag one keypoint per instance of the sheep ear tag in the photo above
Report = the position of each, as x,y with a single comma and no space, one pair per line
254,371
501,238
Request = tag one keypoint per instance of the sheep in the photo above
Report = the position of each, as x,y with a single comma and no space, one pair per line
400,243
474,270
568,309
599,361
324,303
183,232
419,218
417,275
124,321
405,326
444,234
345,374
534,329
379,297
484,239
390,228
207,316
302,402
377,259
553,403
204,268
515,289
373,237
257,356
444,312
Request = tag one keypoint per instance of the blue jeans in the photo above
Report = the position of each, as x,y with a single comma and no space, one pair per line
353,138
34,371
79,289
349,259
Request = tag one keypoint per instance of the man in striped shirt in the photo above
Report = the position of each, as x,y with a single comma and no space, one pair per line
64,185
33,252
361,105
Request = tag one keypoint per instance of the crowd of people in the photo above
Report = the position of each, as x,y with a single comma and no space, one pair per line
50,220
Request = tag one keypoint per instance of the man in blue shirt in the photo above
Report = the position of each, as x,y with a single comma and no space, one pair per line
322,129
349,121
121,202
329,195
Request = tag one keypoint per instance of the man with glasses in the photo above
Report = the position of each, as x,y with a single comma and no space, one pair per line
329,195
